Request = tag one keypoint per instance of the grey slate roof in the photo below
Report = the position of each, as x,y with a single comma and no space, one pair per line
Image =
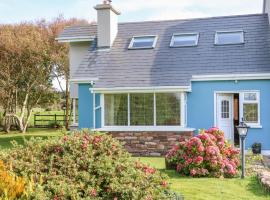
79,30
166,66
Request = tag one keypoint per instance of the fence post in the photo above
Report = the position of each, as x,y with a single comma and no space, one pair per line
55,121
34,120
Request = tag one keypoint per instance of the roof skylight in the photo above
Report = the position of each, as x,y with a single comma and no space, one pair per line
184,40
143,42
229,37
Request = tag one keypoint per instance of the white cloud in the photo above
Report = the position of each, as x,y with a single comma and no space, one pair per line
172,9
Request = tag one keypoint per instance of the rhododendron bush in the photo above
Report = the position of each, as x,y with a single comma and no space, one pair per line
85,165
206,154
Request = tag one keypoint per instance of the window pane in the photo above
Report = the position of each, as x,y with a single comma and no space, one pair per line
250,112
185,40
168,109
225,109
229,37
116,109
143,42
141,109
250,96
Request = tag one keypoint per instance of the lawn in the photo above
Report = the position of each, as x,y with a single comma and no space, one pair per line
211,188
5,139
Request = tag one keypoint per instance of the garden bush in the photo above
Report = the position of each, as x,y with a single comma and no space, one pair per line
11,186
207,154
85,165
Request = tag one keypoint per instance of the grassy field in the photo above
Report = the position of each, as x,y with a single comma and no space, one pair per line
211,188
5,139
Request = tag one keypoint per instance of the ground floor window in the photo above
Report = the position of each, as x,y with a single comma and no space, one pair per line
144,109
250,107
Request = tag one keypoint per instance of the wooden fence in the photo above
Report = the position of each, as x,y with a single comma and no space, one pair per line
50,121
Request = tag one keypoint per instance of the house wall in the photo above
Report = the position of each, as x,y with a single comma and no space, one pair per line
77,51
201,106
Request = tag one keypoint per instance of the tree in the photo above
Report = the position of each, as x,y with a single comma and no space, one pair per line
26,57
29,56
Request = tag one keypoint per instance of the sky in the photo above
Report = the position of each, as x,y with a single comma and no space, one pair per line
16,11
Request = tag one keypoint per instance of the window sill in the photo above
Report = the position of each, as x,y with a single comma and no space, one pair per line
254,126
147,128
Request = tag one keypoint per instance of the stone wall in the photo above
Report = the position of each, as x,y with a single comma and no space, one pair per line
149,143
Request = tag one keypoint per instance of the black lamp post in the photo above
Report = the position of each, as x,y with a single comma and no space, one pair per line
242,129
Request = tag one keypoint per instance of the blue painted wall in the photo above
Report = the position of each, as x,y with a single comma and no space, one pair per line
86,107
201,106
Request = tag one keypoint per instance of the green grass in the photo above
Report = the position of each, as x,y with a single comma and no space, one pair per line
211,188
6,139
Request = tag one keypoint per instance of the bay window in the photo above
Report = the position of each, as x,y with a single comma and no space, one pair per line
144,109
116,109
141,109
168,109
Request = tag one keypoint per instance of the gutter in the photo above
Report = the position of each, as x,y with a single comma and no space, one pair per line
76,39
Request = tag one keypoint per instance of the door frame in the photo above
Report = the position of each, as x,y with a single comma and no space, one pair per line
216,93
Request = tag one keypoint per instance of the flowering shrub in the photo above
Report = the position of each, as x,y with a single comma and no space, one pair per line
207,154
85,165
11,187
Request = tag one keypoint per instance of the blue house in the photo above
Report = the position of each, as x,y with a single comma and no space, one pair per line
149,83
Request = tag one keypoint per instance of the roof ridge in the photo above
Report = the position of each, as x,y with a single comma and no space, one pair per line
172,20
199,18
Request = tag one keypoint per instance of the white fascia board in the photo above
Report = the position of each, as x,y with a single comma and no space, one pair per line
143,89
231,77
83,80
75,39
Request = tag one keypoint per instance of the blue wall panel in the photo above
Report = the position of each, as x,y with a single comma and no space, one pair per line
86,107
201,106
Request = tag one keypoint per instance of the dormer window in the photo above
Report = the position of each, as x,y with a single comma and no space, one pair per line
143,42
184,40
229,37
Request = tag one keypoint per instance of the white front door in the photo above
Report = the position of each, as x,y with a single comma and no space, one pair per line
224,115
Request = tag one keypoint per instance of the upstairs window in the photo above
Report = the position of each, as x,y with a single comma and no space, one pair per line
184,40
143,42
229,37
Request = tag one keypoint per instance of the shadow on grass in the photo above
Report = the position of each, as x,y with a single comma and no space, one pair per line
255,187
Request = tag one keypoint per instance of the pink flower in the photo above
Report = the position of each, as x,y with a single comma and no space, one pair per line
93,193
164,184
199,160
192,172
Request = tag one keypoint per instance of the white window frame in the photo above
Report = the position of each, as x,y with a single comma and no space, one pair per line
257,101
184,34
231,31
181,127
241,111
143,36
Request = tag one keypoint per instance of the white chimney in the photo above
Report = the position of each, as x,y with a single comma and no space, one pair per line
107,20
266,8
